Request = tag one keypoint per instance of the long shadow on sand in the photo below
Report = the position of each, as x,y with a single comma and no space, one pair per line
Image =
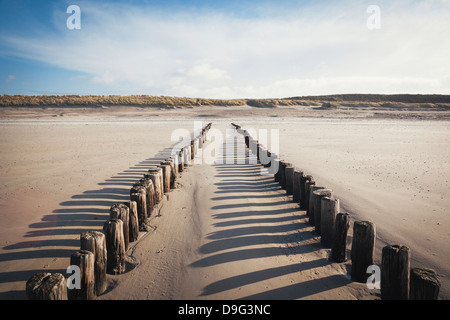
83,212
257,220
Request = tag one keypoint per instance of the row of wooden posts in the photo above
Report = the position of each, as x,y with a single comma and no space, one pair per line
104,252
398,281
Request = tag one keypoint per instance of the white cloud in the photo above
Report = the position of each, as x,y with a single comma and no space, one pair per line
10,78
299,51
207,72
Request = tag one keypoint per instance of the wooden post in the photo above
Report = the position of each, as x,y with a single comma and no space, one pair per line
363,245
115,246
167,175
95,242
307,195
395,273
187,155
150,196
329,209
180,156
283,165
121,211
305,182
141,205
134,220
318,195
173,171
289,173
175,166
154,175
311,202
339,244
296,186
161,179
424,284
46,286
85,261
276,175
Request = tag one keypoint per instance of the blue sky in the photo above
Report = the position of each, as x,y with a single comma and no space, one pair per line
224,49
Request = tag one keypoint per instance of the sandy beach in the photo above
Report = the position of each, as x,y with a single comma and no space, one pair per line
225,231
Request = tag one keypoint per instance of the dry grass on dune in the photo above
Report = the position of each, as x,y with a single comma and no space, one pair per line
398,102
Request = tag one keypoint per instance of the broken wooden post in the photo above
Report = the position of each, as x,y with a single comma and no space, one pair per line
139,196
339,243
121,211
424,284
115,246
329,209
296,186
134,220
46,286
95,242
289,173
363,246
85,260
395,273
317,196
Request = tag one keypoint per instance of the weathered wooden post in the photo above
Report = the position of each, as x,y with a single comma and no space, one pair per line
46,286
311,202
283,165
277,164
305,183
173,171
289,173
115,246
147,183
363,246
174,164
317,196
192,149
141,205
395,273
85,261
180,156
339,243
296,186
95,242
424,284
330,207
121,211
187,155
167,175
155,175
134,220
306,195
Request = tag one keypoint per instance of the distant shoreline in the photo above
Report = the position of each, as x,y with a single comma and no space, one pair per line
396,101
